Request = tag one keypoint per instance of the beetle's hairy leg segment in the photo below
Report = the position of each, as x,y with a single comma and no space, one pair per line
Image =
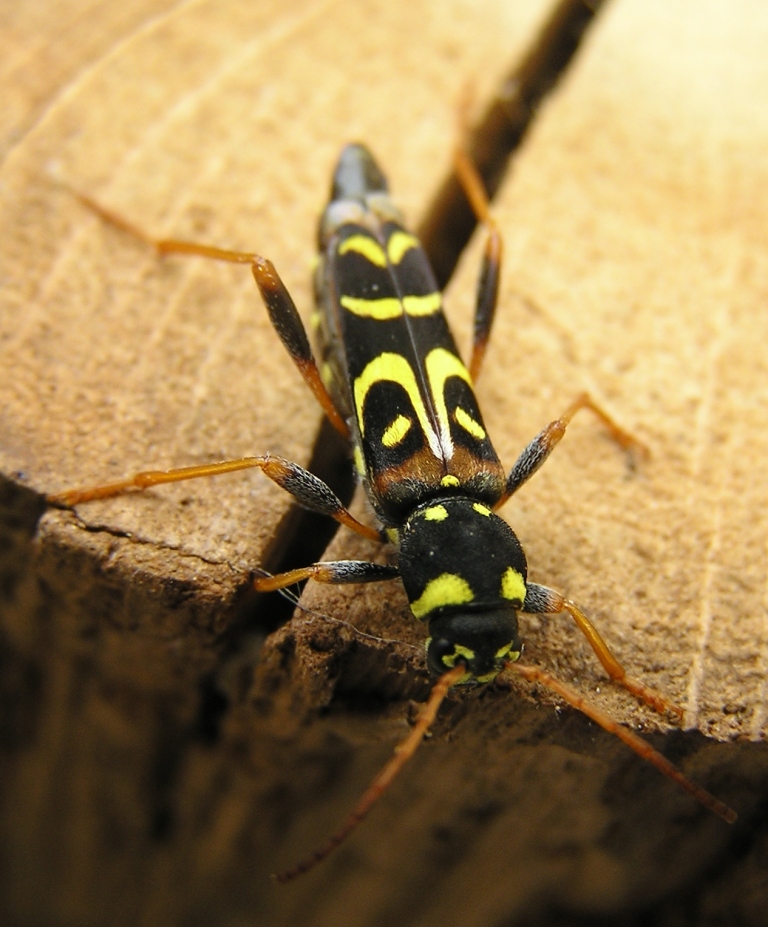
488,282
308,489
542,600
641,747
335,572
535,454
288,325
403,752
311,492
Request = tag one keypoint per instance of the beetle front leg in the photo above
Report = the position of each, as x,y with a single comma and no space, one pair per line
334,572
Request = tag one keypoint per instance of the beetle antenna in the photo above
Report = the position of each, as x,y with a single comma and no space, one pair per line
403,752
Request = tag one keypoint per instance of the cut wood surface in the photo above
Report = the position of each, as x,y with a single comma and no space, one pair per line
162,753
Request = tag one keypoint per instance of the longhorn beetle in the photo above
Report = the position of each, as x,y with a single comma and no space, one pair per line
394,385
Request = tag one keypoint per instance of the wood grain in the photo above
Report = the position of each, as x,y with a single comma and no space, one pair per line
151,774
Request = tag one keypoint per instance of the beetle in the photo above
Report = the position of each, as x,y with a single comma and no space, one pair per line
391,381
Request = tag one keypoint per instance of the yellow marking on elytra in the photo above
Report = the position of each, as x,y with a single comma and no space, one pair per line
481,509
359,460
326,374
436,513
396,431
389,307
513,585
450,480
419,306
441,365
394,367
446,589
399,244
469,424
368,247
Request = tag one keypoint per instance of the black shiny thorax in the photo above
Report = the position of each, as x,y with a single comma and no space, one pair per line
462,537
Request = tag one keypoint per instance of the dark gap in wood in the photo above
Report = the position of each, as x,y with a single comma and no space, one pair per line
311,533
256,616
449,221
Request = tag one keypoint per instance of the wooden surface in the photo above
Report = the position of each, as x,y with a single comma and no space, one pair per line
151,775
637,269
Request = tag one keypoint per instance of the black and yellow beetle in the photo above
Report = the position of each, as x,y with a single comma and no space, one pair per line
400,391
393,383
420,444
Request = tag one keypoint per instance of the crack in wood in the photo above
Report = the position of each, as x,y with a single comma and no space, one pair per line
449,221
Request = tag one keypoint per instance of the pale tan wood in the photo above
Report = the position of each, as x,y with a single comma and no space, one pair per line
637,269
634,222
